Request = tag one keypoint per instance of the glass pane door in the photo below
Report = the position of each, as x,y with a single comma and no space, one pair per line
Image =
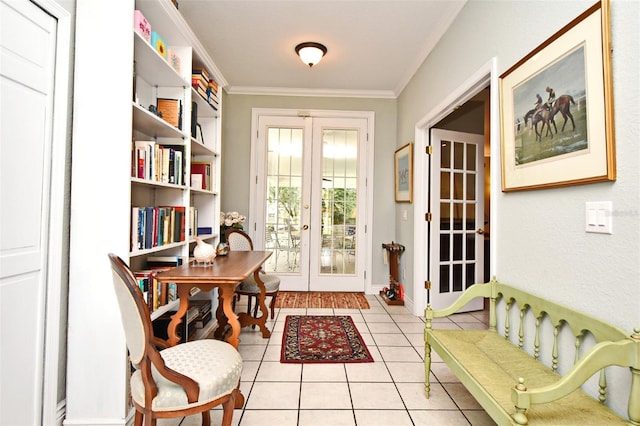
457,204
337,242
283,198
309,193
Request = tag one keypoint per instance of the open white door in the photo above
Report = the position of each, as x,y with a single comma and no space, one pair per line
456,228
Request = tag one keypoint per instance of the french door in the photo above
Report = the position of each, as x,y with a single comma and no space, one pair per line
310,200
456,240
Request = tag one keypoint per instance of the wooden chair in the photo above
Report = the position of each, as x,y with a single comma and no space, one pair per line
239,241
177,381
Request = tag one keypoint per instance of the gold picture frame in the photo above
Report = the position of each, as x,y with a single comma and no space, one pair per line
567,138
403,172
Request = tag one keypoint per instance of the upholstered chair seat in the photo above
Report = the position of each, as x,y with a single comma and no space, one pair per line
216,367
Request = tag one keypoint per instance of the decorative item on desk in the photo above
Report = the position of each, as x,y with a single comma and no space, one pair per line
142,26
230,220
159,44
203,253
222,249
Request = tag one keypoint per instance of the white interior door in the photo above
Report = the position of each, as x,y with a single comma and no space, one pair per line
456,241
311,201
27,61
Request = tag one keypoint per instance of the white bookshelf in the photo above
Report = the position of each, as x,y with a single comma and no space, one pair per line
104,188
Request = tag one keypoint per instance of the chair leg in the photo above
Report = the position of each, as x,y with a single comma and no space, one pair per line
206,418
272,305
255,311
249,300
149,420
227,409
138,418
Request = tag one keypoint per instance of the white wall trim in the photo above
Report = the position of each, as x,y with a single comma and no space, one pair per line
324,93
486,75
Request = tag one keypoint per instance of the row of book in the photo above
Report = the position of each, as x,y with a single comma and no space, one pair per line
159,163
157,226
157,294
206,86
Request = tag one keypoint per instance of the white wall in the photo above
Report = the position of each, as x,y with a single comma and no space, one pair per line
236,146
540,238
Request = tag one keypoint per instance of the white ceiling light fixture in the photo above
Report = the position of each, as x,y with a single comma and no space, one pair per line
311,52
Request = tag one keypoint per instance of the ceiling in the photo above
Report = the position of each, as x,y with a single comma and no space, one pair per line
374,46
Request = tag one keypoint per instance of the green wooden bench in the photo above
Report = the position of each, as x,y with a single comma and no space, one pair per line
515,386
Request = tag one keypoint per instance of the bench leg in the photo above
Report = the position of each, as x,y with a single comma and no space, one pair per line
427,366
634,397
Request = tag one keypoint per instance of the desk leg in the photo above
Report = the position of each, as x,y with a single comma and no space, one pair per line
246,319
176,319
227,293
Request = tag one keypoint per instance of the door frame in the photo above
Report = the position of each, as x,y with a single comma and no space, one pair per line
487,75
368,160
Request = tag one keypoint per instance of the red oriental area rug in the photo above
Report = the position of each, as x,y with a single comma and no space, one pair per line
320,299
322,339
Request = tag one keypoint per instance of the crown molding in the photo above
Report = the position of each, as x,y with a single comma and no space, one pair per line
324,93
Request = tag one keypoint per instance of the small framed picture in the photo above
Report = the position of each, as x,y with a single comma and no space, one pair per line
404,173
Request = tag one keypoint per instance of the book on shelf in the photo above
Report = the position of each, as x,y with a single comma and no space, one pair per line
149,227
178,168
172,292
194,118
200,71
197,81
203,168
193,221
141,25
158,43
157,261
205,230
202,320
144,158
196,180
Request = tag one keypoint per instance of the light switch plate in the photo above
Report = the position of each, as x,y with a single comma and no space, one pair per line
598,217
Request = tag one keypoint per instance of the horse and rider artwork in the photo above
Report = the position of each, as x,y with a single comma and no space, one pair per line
550,111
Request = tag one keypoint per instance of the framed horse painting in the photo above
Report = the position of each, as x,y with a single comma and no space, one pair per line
557,109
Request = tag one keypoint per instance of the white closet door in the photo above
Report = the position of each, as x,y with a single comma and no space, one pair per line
27,60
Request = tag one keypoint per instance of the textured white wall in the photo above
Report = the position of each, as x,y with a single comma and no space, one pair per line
540,238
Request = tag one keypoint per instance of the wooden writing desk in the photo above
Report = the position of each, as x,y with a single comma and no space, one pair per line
225,273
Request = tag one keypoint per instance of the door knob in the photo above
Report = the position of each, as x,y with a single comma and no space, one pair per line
480,231
305,227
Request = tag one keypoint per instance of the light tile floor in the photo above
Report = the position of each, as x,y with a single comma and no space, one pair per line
387,392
